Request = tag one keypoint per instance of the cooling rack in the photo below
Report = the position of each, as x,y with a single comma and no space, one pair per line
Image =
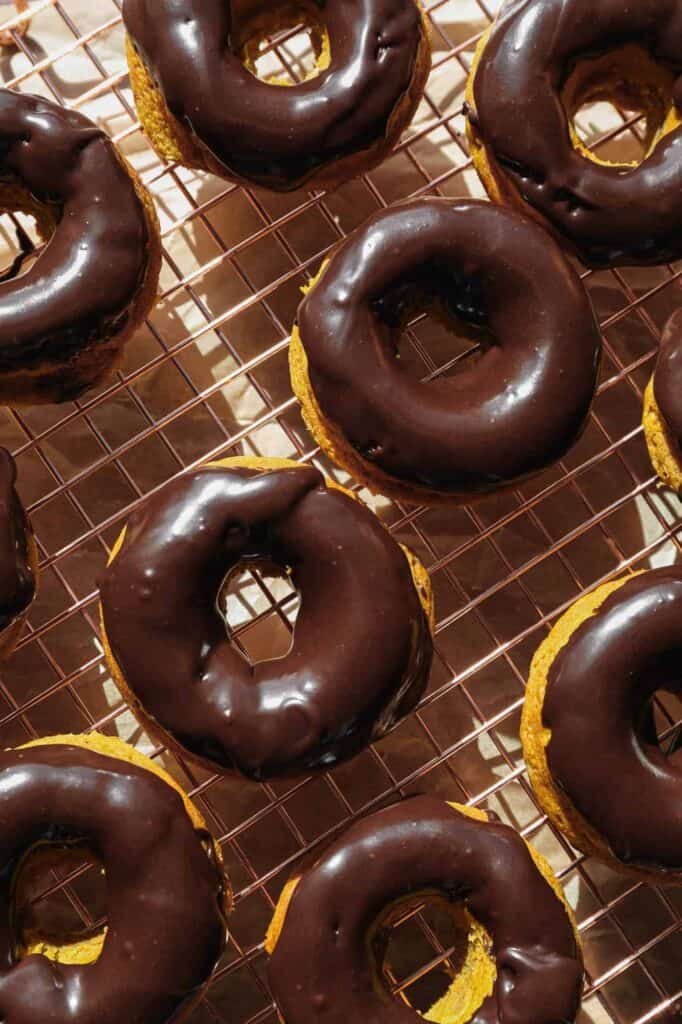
207,377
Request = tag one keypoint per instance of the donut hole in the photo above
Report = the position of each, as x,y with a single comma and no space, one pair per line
662,723
618,105
260,605
25,227
432,336
433,956
283,44
59,904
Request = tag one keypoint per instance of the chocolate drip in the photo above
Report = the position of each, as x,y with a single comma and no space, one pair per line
17,581
599,687
611,215
80,288
320,971
273,136
668,378
362,647
166,926
506,415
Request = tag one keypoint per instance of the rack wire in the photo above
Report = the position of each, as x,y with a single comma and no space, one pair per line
207,378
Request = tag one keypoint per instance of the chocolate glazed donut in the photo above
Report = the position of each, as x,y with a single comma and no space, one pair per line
610,214
362,646
63,321
165,894
598,697
320,967
504,416
282,138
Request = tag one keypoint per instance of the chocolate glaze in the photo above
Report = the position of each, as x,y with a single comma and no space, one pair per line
508,414
165,894
320,972
273,136
668,379
17,580
598,702
79,290
361,650
612,215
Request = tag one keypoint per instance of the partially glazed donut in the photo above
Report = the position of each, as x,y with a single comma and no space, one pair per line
521,952
202,106
534,69
166,890
588,731
64,321
502,417
18,558
662,417
362,644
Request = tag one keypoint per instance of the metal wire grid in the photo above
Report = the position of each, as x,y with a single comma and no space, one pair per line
207,378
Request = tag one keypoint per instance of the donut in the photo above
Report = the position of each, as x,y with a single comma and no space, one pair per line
65,320
520,952
502,417
193,73
538,64
362,646
662,417
18,558
166,890
588,731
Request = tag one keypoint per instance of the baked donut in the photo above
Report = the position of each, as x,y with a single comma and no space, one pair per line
504,416
520,950
64,321
662,418
540,62
167,893
18,558
362,646
588,731
192,69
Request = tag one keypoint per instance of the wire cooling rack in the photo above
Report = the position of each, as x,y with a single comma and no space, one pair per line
207,377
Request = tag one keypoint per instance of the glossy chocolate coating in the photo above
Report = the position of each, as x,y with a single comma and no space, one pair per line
320,971
79,290
509,413
17,581
165,893
362,647
668,379
269,135
611,215
603,752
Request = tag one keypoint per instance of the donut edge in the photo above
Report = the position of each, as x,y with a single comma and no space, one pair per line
10,635
659,442
420,579
439,1012
174,143
535,738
